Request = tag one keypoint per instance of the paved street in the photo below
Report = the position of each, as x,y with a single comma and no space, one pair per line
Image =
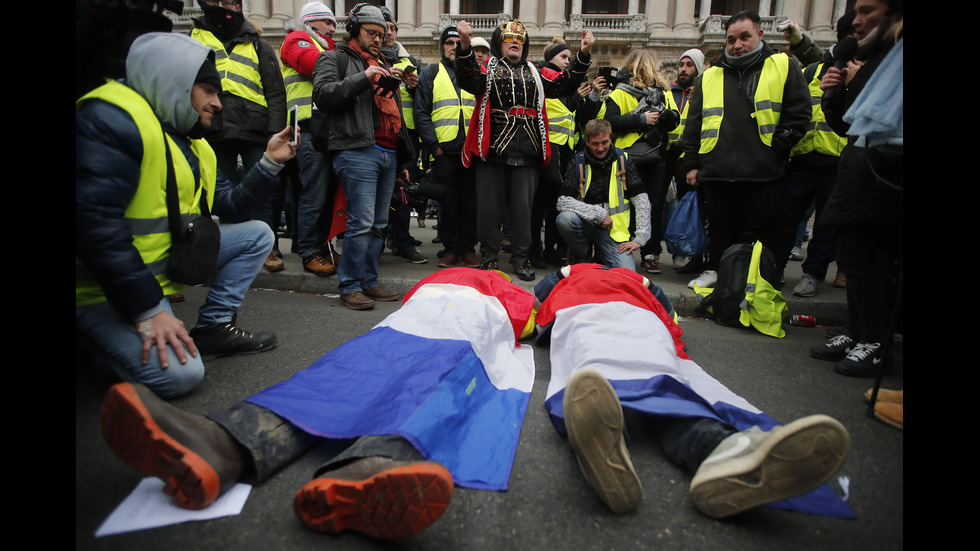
549,503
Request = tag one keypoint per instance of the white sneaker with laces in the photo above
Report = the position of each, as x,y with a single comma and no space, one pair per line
708,278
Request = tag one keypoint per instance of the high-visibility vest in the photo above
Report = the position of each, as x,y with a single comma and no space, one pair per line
561,123
675,135
619,204
239,69
147,212
447,106
627,104
299,88
819,136
408,102
768,100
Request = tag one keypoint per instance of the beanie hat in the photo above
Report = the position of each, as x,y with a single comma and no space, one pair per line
366,14
696,56
208,73
448,32
316,11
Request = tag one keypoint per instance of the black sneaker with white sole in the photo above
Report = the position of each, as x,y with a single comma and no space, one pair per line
862,361
836,348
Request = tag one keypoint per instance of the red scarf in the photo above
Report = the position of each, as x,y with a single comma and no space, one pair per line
391,117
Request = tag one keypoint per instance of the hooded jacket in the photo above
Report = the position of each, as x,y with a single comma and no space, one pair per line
109,154
240,118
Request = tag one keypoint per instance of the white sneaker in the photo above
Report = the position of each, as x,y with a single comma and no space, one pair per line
807,287
680,261
708,278
752,467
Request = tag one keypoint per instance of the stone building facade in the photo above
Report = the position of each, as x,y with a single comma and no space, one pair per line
667,26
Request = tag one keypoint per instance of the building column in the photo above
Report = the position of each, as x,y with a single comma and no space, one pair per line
705,10
684,18
429,19
554,16
822,18
406,15
656,15
764,6
529,14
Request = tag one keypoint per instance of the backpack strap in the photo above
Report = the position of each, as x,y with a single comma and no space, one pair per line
580,162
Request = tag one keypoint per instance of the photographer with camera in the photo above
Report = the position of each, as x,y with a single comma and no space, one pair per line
352,85
637,110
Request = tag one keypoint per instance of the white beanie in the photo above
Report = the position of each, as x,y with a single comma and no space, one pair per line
696,56
316,11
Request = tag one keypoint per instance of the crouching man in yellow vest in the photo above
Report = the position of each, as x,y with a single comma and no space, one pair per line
131,139
599,190
747,112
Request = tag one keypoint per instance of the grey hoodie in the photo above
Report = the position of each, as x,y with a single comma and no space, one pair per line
162,67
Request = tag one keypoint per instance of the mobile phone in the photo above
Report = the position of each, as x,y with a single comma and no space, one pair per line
408,70
294,124
607,73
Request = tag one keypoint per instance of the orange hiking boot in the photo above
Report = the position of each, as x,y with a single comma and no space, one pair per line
196,458
379,497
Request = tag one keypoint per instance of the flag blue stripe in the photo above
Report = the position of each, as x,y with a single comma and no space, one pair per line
434,392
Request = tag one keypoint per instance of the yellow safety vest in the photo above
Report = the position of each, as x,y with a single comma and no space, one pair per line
239,69
674,135
819,136
627,104
299,87
447,106
408,102
619,204
561,123
768,100
147,212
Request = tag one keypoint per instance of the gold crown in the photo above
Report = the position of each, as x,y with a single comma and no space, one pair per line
513,27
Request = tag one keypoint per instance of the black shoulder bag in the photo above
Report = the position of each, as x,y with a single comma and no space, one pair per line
194,238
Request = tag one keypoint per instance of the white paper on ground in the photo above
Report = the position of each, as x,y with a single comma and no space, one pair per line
149,507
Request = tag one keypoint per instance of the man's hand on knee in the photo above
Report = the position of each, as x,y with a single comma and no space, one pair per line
161,330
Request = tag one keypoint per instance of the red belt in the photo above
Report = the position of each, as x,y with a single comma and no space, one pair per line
519,111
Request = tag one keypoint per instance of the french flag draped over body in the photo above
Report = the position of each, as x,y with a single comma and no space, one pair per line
609,321
445,372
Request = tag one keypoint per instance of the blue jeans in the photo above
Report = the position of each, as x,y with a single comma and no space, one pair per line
114,343
367,175
111,338
580,235
313,170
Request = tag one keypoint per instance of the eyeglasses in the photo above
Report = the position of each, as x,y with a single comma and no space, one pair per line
374,34
224,3
511,37
452,42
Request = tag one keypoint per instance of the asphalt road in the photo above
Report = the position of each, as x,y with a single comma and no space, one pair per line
548,503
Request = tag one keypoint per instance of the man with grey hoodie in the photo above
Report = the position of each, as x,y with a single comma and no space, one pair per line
130,139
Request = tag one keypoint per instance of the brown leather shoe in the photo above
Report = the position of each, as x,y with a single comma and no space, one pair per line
470,260
448,260
376,496
319,263
196,458
840,280
891,414
274,263
356,301
381,294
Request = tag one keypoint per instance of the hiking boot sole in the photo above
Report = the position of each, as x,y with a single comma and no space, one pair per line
392,504
131,432
792,461
594,419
